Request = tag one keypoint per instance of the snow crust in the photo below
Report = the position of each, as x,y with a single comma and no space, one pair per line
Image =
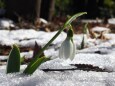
104,59
111,21
24,37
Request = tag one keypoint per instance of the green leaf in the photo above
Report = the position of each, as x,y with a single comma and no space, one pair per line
69,21
13,63
30,69
85,29
82,43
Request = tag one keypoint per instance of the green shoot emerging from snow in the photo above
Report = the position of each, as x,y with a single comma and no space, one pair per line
85,32
13,63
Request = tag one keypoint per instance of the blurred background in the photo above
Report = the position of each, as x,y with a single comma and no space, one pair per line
50,15
48,9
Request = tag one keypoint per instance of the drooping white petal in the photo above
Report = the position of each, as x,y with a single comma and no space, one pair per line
61,51
73,52
67,48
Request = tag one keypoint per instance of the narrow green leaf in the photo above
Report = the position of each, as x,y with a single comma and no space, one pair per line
13,63
37,63
69,21
82,43
85,29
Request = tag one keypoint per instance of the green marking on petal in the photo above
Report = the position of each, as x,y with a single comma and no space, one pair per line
70,33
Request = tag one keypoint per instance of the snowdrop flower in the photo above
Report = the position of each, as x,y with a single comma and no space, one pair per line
67,49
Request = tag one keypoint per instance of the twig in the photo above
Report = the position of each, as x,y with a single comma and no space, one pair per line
71,69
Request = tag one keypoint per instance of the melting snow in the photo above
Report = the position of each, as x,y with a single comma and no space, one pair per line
106,59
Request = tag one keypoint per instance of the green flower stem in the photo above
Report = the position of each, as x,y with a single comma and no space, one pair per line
33,64
50,42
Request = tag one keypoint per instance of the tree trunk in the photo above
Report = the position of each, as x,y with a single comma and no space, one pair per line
51,9
37,9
